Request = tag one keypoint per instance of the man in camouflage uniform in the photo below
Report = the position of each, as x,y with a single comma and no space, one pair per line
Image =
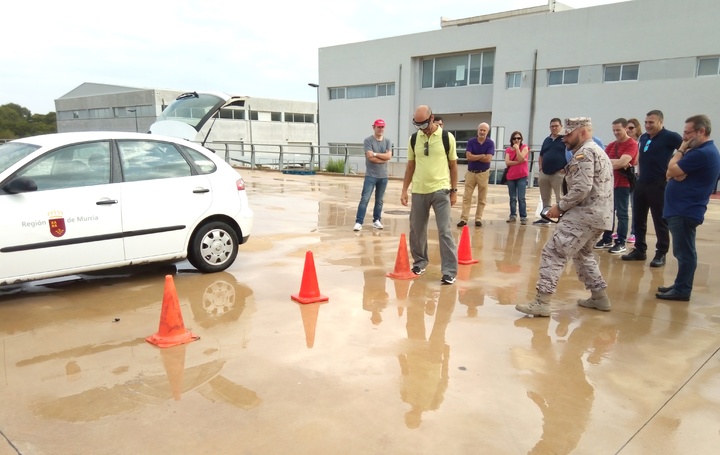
586,210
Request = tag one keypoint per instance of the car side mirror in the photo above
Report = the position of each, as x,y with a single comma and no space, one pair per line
20,185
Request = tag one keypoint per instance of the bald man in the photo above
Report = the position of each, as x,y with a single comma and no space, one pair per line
479,153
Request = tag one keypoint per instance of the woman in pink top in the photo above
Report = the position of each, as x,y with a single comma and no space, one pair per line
516,161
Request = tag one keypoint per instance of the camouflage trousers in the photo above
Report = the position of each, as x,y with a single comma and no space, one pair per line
570,240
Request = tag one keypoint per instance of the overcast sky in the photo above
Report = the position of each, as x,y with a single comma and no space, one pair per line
260,48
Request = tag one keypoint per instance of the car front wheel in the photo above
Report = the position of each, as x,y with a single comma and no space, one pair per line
213,247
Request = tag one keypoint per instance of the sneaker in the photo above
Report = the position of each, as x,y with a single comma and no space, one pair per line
596,304
357,227
614,236
617,248
512,219
462,223
631,239
634,255
377,224
602,244
447,279
541,222
523,221
418,270
534,308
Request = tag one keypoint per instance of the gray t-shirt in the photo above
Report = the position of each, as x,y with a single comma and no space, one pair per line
377,170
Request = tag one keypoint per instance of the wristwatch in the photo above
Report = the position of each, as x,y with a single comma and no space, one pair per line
454,190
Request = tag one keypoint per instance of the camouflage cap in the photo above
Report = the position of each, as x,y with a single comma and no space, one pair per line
571,124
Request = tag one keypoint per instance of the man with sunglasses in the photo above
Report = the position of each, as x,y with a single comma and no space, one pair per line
433,175
479,153
691,177
656,148
586,210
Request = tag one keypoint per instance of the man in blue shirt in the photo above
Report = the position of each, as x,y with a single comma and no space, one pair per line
656,148
551,163
479,153
692,175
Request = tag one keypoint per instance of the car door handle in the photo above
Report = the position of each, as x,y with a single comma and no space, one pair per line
106,202
201,190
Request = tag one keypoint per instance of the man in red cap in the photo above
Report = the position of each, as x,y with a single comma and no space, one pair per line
378,151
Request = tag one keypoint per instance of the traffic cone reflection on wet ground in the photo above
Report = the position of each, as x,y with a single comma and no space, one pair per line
174,362
309,290
171,331
402,263
309,315
401,289
464,250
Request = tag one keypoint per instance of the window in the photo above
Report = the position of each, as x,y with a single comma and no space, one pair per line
624,72
563,77
337,93
151,160
514,79
708,66
276,116
205,165
458,70
253,115
71,167
294,117
362,91
232,114
352,149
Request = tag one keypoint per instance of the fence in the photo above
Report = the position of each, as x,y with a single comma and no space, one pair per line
313,158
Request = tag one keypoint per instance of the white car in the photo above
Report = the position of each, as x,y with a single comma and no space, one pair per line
80,202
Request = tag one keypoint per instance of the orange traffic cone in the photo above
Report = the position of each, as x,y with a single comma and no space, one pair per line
309,290
402,263
464,252
172,328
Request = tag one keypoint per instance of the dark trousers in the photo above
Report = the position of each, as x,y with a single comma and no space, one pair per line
683,234
650,197
621,212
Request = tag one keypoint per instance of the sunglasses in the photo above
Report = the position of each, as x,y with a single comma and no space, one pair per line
422,125
427,148
631,127
517,139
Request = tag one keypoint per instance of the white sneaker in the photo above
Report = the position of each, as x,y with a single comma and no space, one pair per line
357,227
377,224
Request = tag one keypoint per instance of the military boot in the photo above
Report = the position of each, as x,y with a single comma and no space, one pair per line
598,301
538,307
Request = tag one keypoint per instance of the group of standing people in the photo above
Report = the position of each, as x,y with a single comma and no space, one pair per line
592,185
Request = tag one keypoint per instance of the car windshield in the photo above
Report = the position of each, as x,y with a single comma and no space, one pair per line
12,152
190,108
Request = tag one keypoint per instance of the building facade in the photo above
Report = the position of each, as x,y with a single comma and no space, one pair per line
101,107
517,70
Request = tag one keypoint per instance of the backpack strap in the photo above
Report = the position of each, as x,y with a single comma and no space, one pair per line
445,141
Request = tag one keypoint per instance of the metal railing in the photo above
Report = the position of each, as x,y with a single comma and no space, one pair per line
313,158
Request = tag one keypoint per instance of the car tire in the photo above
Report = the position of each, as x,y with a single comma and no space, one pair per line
213,248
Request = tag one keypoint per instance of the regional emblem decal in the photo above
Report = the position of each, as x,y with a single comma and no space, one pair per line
57,223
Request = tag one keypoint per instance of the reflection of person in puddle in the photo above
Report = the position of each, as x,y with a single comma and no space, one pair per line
424,362
559,385
375,299
510,263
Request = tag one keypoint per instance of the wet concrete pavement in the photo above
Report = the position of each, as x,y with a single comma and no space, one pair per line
386,366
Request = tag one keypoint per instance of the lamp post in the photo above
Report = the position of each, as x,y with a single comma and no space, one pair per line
134,111
317,119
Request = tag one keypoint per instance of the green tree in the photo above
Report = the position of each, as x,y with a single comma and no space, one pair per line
17,121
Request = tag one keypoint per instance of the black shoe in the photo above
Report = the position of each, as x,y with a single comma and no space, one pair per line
462,223
658,261
673,295
447,279
418,270
634,255
664,289
478,223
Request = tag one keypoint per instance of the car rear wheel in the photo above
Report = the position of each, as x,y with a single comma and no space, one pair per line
213,247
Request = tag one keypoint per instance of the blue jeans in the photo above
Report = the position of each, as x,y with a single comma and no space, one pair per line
622,199
683,245
370,184
516,189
